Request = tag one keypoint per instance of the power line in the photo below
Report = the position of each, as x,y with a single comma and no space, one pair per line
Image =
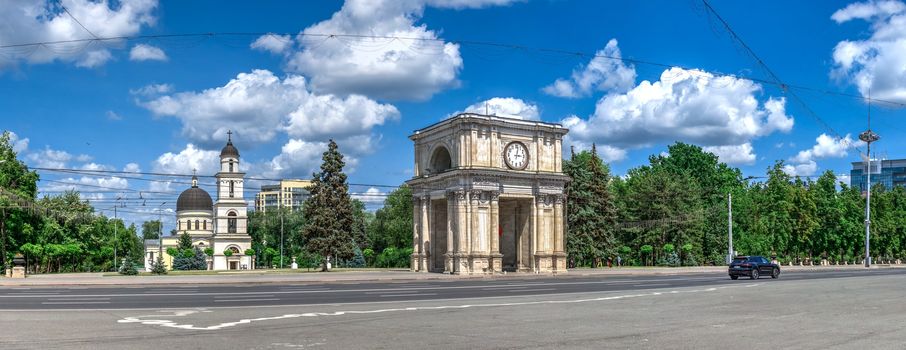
521,48
77,21
776,79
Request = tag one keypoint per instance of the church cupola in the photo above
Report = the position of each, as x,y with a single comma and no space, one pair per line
229,156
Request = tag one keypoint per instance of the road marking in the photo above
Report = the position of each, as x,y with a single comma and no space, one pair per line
237,300
73,302
78,299
157,320
405,295
531,290
651,285
232,296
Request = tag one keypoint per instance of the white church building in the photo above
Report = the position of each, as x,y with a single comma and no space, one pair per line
220,225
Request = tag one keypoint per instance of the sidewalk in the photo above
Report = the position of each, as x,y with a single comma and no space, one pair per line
271,276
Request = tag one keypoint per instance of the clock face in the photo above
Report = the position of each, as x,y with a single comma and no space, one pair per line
516,155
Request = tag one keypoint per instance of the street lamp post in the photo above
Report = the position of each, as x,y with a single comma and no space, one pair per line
115,204
160,234
868,137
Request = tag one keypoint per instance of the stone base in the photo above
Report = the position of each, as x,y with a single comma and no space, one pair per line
559,262
544,263
496,263
18,272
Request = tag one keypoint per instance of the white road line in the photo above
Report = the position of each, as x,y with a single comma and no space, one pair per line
78,299
552,284
651,285
73,302
233,296
237,300
156,319
532,290
405,295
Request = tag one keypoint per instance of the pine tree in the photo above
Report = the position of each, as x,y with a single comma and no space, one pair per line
128,268
591,213
158,267
185,241
332,229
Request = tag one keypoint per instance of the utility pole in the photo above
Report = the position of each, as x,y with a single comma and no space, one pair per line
868,137
730,226
115,267
280,208
160,234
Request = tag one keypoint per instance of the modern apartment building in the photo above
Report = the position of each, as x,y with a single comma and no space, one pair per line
286,194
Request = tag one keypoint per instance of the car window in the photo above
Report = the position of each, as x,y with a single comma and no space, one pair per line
739,260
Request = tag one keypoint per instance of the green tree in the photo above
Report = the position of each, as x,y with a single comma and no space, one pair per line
151,229
392,223
21,182
333,229
591,213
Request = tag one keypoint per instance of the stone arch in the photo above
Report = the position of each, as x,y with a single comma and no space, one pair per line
231,222
441,160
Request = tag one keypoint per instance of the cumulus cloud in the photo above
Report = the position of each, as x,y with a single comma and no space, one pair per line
49,158
273,43
132,168
605,152
803,164
19,144
26,21
605,72
259,104
371,196
684,105
505,107
143,52
808,168
733,154
414,68
152,90
300,158
188,159
876,64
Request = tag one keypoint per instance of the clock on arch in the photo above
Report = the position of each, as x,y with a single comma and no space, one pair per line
515,155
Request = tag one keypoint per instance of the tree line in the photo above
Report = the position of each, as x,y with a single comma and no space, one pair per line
674,211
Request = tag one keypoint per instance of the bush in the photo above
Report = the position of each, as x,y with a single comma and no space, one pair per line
158,267
173,252
128,268
250,252
190,259
209,251
227,253
669,248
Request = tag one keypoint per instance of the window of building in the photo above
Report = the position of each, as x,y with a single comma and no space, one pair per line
231,166
231,189
196,224
231,222
204,224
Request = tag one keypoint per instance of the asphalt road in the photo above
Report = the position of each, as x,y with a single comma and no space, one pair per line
851,309
213,296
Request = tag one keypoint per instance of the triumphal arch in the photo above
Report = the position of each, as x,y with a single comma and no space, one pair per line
488,195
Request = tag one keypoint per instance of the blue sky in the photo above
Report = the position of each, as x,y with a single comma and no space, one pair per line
163,105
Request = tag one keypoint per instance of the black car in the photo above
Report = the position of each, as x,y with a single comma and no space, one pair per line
753,266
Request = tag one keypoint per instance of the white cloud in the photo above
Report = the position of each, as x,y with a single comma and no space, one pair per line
803,169
95,166
93,59
19,145
153,90
371,196
803,164
505,107
132,168
143,52
605,152
876,64
684,105
49,158
27,21
273,43
111,115
733,154
300,158
827,147
188,159
605,72
413,69
258,105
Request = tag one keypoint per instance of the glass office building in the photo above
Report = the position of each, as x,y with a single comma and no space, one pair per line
888,172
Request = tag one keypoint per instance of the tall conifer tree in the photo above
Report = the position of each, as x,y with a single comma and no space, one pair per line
332,229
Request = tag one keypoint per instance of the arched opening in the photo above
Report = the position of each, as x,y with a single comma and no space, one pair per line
196,224
231,222
440,160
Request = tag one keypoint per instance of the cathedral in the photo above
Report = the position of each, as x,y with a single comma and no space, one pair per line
221,225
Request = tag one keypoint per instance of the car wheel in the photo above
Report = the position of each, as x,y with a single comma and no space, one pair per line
754,275
775,273
733,277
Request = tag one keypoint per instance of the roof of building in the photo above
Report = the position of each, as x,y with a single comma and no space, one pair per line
194,199
229,151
